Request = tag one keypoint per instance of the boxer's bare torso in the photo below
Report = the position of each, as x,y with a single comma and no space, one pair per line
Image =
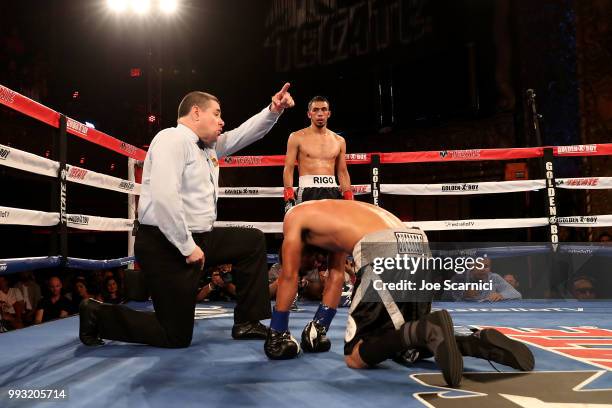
336,225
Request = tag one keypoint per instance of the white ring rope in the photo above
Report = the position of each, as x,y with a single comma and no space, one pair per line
19,216
487,187
22,160
91,178
32,163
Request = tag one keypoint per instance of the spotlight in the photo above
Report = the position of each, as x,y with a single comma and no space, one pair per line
140,6
152,118
168,6
117,5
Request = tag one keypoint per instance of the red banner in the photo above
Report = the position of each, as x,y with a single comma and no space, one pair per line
44,114
461,155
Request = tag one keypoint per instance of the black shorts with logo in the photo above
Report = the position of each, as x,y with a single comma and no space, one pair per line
376,312
318,193
371,319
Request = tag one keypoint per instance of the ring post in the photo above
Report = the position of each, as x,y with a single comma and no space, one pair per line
551,195
375,180
62,174
131,213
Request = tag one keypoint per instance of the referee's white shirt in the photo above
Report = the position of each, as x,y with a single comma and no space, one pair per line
180,181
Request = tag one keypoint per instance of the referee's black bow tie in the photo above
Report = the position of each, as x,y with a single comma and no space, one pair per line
201,144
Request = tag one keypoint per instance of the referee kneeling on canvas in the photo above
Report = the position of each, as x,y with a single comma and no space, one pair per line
177,209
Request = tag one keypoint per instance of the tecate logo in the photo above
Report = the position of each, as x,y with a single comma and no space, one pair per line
77,173
460,154
244,160
77,126
6,95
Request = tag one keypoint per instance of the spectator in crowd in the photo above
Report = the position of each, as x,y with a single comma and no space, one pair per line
80,291
501,290
512,280
313,273
604,237
273,274
11,305
97,283
583,288
313,284
112,293
219,285
350,274
30,291
54,306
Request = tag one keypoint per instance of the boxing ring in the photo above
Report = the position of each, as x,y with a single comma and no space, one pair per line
571,340
573,365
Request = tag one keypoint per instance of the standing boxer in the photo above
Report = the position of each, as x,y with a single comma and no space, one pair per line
320,154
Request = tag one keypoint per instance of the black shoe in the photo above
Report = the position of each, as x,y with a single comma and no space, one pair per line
281,345
435,332
88,323
314,339
493,345
249,331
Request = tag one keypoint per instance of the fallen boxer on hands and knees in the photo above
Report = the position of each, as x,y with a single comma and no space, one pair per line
377,331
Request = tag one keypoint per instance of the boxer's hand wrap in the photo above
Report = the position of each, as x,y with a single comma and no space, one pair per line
348,195
289,197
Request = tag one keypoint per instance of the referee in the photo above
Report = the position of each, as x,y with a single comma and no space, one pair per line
176,212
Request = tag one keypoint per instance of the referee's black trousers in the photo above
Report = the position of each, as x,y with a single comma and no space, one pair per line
173,285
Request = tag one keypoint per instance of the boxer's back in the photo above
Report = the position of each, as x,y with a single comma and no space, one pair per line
337,225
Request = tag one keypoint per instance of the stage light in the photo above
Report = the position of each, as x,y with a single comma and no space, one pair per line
168,6
141,6
152,118
75,95
117,5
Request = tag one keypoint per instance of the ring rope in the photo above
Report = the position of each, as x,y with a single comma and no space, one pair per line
26,161
35,110
29,162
